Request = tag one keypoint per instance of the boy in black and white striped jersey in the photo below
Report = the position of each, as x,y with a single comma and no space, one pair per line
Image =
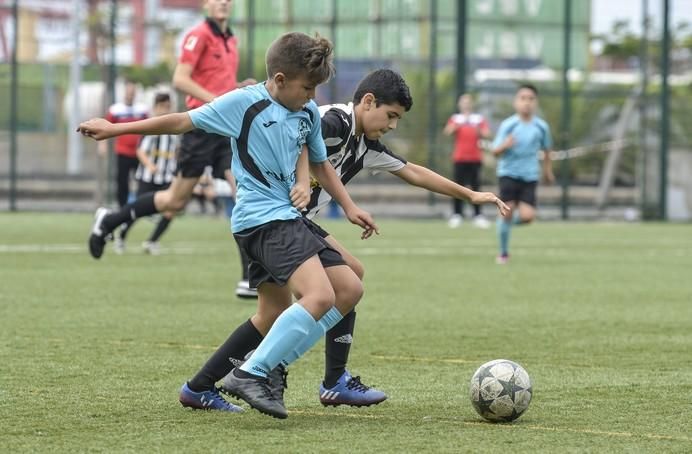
157,163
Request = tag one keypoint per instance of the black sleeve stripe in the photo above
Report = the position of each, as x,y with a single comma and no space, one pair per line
544,133
379,147
511,128
312,116
389,152
246,160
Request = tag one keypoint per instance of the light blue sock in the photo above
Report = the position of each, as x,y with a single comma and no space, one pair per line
288,331
327,322
503,230
516,219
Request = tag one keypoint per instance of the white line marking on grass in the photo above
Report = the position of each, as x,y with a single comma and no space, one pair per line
380,250
49,248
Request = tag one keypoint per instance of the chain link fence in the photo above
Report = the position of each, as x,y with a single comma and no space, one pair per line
607,154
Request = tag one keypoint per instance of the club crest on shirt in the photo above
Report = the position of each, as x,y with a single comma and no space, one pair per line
303,131
190,43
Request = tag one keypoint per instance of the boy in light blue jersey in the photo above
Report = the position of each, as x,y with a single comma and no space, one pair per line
517,144
269,125
352,133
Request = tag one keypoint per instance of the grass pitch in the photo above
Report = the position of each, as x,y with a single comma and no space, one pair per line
92,354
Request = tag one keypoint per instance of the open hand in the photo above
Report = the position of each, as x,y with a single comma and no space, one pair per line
363,219
479,198
549,176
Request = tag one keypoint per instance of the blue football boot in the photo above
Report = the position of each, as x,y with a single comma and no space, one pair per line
350,391
206,400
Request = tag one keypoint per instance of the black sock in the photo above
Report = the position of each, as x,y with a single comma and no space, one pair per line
160,228
124,229
242,341
337,348
143,206
201,202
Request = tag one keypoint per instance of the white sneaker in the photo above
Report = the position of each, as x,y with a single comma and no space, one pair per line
455,221
119,245
152,247
243,290
481,222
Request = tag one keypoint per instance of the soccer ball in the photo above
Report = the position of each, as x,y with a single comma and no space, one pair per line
501,390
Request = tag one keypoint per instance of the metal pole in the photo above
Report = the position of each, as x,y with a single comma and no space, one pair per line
665,111
13,108
112,74
566,108
644,73
251,40
152,32
74,141
432,93
333,87
461,48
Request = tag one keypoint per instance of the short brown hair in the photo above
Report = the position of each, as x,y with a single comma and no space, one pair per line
297,54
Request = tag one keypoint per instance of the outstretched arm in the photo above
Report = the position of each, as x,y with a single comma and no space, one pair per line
425,178
175,123
329,180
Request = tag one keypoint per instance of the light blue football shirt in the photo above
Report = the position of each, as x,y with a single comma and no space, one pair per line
266,140
530,137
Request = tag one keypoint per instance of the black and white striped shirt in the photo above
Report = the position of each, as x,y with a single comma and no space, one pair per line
347,153
161,151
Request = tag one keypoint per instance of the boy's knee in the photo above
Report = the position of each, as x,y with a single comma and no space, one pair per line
176,203
170,201
322,299
349,294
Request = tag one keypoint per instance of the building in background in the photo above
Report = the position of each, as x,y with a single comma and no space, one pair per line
503,31
147,30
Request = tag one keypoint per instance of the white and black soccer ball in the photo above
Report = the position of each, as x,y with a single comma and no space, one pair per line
501,390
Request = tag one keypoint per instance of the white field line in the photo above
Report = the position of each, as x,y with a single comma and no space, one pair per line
442,248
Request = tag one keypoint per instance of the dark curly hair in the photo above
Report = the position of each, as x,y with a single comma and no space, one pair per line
297,54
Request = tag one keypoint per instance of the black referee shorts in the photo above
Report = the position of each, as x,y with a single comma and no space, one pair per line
276,249
199,149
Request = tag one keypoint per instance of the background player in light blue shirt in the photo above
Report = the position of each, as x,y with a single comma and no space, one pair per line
517,145
269,124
